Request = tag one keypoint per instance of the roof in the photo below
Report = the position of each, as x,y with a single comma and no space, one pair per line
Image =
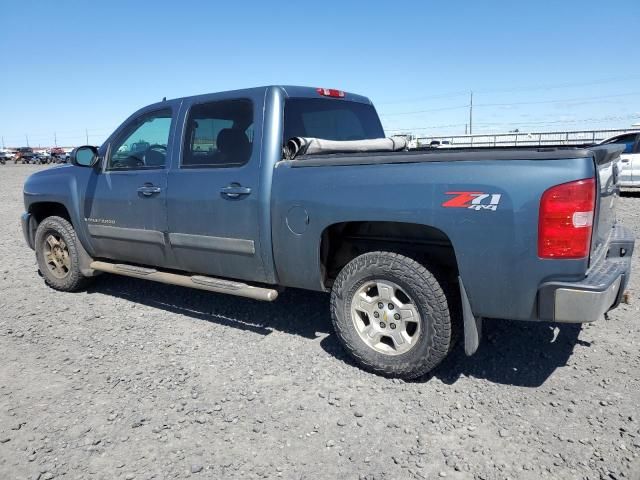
290,91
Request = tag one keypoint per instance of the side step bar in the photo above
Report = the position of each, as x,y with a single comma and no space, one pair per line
200,282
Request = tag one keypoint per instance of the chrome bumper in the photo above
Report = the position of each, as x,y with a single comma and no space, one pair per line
601,290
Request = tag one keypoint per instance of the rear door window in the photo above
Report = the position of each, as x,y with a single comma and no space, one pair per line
219,134
330,119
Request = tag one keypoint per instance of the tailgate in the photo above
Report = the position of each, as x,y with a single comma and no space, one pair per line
606,158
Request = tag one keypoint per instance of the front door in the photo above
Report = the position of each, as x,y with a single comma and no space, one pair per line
124,205
213,201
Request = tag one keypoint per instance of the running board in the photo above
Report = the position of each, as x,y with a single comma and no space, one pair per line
200,282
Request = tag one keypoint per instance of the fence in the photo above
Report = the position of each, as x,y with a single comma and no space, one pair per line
524,139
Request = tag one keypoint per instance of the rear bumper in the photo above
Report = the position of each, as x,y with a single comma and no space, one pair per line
600,291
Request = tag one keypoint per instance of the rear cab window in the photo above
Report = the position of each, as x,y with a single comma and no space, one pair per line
330,119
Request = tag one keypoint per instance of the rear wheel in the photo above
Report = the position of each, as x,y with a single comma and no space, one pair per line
57,255
391,315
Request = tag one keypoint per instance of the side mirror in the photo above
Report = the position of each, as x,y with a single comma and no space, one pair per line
86,156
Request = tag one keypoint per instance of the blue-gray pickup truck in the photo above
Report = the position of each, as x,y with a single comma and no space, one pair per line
250,191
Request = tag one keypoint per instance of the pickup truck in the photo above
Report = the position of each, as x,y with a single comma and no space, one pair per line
24,155
250,191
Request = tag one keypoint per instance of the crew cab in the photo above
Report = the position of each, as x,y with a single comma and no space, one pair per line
250,191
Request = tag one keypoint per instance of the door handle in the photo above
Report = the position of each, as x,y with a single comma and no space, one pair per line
148,190
625,160
234,191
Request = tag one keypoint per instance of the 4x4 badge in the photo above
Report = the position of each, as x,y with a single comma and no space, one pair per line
473,200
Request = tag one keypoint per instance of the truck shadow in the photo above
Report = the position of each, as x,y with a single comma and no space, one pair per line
511,353
297,312
523,354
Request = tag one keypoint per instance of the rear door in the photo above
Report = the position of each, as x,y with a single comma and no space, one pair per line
125,203
213,201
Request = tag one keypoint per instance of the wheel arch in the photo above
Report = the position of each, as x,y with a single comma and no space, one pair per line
342,242
39,211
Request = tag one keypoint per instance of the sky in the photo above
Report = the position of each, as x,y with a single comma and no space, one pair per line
74,70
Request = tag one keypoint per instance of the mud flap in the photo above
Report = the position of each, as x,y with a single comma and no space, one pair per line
472,324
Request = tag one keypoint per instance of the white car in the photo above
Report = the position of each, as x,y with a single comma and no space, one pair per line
630,158
6,155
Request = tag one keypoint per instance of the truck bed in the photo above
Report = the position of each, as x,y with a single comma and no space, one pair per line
450,155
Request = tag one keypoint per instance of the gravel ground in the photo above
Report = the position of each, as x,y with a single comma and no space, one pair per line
140,380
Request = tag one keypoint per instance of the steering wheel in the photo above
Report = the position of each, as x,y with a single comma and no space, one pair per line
158,150
128,162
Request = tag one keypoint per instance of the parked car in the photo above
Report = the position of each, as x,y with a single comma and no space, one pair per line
630,158
6,155
57,154
251,191
41,158
24,155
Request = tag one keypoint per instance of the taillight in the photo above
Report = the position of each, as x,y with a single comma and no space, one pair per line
330,92
566,220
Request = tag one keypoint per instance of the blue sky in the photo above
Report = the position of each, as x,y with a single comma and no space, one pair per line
71,66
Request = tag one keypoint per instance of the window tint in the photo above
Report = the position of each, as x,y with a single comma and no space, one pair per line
219,134
627,140
330,119
143,144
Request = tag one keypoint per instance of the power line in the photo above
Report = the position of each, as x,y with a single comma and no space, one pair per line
425,111
540,102
566,100
462,93
546,122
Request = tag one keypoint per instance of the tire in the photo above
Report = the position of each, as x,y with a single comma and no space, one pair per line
68,277
414,290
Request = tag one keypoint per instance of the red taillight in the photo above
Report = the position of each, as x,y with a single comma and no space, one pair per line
566,220
330,92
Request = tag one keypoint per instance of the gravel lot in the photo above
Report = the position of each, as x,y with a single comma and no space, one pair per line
140,380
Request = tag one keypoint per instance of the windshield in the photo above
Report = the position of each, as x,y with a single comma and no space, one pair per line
330,119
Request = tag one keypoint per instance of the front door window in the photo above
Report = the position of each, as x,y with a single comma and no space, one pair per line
143,145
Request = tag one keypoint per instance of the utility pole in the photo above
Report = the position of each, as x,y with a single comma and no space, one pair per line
3,143
465,128
471,114
86,132
55,139
27,137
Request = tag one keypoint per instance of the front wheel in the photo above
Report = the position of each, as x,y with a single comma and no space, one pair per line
57,255
391,315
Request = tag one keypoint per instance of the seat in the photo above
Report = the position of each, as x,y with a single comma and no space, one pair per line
154,158
234,146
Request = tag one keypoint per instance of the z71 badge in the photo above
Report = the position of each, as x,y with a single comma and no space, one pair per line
473,200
